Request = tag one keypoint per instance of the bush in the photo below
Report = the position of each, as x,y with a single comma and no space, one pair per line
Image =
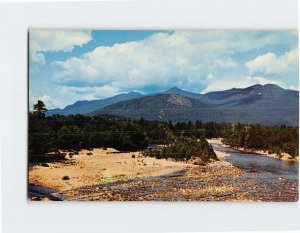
66,178
184,149
133,156
89,153
198,161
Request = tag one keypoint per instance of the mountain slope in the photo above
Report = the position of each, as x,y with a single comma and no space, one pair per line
85,106
268,104
176,90
266,94
156,107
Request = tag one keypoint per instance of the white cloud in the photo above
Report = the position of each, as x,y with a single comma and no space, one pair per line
220,84
284,66
182,58
33,98
45,40
89,93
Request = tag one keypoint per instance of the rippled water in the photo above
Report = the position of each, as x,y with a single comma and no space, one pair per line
255,163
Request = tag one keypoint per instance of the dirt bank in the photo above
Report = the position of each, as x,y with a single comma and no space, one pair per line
285,156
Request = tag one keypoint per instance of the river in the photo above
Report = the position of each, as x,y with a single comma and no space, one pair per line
275,175
242,177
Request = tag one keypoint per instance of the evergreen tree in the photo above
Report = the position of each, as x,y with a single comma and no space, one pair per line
39,109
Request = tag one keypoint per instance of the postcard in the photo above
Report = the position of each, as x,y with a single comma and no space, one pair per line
163,115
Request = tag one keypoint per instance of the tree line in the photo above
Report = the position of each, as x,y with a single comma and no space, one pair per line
181,140
275,139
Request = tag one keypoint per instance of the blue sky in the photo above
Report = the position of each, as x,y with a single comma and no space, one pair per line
70,65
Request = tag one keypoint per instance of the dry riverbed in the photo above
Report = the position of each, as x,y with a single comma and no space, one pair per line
108,175
99,166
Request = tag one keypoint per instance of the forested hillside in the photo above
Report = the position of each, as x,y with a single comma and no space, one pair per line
267,105
182,140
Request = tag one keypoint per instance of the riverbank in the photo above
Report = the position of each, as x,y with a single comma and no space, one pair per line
109,175
99,166
284,157
198,183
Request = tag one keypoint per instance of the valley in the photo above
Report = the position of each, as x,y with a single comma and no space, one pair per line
167,147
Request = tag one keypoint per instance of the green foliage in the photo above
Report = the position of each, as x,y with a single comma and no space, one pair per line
274,139
184,149
75,132
39,109
182,141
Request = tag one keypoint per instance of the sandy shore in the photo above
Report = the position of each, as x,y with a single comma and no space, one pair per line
285,156
103,166
91,177
196,183
107,175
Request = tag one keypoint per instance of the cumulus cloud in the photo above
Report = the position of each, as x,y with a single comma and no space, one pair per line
220,84
88,93
33,98
45,40
182,58
198,61
269,64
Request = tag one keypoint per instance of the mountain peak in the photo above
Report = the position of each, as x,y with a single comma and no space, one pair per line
256,85
253,87
266,87
272,86
174,89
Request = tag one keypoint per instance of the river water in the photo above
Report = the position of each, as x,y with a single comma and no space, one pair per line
264,165
273,176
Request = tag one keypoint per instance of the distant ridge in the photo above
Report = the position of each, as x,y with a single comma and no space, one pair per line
85,106
176,90
265,104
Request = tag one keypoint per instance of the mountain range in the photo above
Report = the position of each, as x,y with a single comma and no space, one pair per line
265,104
86,106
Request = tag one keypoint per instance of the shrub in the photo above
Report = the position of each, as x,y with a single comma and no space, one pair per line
184,149
133,156
89,153
198,161
66,178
